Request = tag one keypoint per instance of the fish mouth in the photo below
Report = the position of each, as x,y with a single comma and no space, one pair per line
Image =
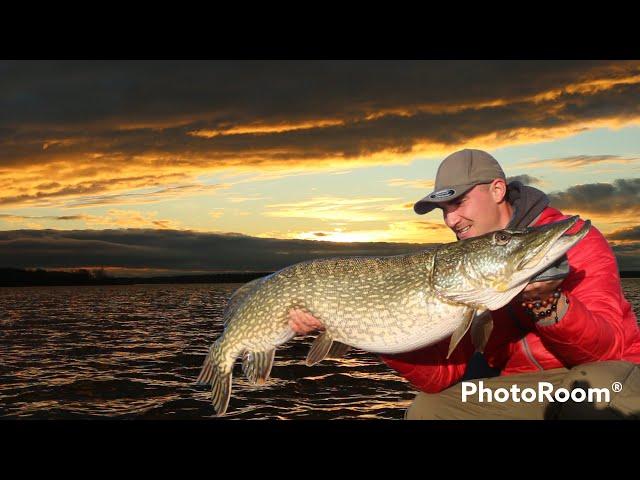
550,244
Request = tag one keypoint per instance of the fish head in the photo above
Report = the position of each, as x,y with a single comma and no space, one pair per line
487,271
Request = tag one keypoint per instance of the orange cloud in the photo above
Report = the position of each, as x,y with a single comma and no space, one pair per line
240,199
113,218
216,213
586,87
27,190
421,184
130,219
385,123
578,161
332,209
257,129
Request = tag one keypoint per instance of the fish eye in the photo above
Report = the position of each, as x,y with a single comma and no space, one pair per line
501,238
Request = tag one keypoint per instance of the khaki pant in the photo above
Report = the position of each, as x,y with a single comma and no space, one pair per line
622,404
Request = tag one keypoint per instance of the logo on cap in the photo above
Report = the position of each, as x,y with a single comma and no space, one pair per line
443,193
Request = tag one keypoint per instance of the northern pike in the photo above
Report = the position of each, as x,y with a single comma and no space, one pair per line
384,305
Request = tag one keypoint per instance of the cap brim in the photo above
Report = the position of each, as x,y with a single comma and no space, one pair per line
431,201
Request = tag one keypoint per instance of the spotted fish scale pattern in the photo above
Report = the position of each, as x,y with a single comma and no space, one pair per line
373,303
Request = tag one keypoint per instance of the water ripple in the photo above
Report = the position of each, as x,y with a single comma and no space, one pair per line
135,352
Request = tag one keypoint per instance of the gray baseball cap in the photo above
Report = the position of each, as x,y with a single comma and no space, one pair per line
457,174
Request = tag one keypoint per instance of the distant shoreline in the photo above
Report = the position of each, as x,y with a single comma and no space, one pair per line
11,277
629,274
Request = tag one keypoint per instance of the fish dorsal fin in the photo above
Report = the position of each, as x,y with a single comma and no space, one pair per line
467,318
319,349
338,350
481,329
257,365
238,297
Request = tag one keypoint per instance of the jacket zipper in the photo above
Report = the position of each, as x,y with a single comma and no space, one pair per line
529,354
525,345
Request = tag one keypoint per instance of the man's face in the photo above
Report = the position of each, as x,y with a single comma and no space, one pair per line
472,214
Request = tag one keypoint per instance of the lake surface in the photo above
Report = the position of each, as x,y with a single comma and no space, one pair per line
135,351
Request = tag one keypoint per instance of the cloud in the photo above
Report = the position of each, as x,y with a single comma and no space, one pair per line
433,226
579,161
259,129
157,94
626,234
239,199
627,255
84,191
216,213
73,129
163,194
149,251
22,218
524,179
113,218
622,197
130,219
334,209
402,182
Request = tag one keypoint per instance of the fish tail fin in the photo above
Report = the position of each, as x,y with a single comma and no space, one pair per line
220,391
212,374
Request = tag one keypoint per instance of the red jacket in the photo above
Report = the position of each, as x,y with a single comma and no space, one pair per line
599,324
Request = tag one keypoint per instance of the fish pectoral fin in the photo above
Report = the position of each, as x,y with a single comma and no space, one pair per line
481,329
338,350
257,365
319,349
467,319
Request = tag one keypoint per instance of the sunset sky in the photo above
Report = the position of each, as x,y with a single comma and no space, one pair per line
154,167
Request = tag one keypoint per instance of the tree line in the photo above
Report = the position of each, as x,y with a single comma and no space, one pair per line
15,277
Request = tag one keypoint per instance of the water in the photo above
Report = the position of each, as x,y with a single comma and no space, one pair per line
135,351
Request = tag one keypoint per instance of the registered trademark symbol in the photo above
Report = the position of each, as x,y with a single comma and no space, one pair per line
616,386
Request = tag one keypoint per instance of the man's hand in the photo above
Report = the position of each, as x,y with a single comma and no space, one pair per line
538,291
303,323
541,291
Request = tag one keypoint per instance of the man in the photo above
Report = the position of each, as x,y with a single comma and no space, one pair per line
571,328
